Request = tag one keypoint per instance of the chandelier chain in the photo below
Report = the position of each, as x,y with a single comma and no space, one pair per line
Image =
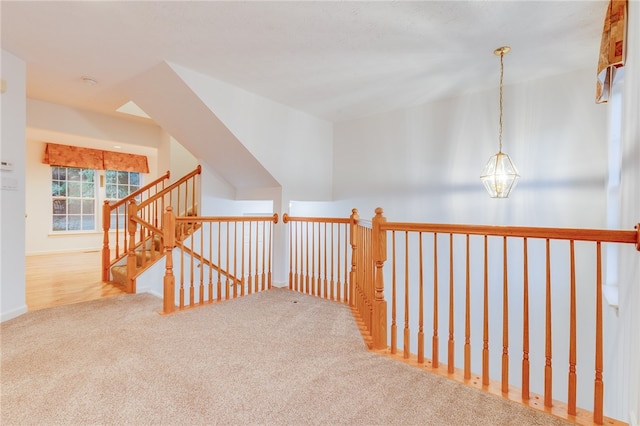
500,123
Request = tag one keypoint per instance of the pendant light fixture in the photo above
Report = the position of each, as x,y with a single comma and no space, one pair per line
500,175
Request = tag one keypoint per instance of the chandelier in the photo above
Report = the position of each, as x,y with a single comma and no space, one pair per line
500,175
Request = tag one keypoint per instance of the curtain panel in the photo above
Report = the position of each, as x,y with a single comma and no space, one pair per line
87,158
612,48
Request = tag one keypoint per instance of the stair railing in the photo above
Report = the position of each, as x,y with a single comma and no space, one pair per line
218,258
115,243
494,280
145,223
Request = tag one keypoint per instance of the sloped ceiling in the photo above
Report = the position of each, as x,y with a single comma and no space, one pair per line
334,60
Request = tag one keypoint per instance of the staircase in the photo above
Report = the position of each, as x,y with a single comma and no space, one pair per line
133,238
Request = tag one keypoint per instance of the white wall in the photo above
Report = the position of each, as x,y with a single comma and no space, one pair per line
12,199
624,347
423,164
294,147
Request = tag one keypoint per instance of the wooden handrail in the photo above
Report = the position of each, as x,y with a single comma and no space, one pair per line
368,245
171,187
576,234
140,190
236,244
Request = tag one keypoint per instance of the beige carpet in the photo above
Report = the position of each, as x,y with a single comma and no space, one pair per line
273,358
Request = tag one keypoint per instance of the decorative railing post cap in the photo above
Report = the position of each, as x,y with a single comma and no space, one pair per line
169,209
379,211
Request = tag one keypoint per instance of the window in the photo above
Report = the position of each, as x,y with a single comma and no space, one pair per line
75,195
119,185
73,192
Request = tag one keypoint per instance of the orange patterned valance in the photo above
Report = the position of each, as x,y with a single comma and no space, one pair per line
87,158
612,47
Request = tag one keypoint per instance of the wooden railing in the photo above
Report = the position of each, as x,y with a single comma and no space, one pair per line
319,258
145,224
443,275
221,258
115,217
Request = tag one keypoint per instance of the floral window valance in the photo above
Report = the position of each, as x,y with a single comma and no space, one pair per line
87,158
612,47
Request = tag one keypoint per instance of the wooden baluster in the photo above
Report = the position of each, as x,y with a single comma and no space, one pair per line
325,274
285,219
420,304
117,227
227,281
571,399
505,319
132,262
306,268
219,280
485,326
347,284
211,266
525,324
201,298
106,252
451,348
191,269
250,280
242,276
168,302
298,266
338,262
313,259
181,276
255,273
434,340
264,242
235,259
548,397
353,238
271,249
394,325
332,282
598,393
406,352
467,316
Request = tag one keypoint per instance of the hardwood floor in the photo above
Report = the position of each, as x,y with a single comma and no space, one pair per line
65,278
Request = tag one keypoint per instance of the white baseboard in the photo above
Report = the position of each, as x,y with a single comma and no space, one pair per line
280,284
68,251
633,419
5,316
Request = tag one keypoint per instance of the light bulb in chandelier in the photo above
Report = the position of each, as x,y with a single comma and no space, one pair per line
500,175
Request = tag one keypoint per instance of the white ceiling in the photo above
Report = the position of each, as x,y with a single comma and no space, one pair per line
334,60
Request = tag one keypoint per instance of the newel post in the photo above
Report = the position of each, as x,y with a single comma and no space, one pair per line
379,251
353,238
168,303
106,252
131,255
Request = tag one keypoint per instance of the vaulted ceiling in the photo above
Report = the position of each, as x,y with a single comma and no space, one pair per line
334,60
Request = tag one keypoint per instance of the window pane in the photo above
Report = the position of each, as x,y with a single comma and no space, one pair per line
58,189
134,179
123,178
88,222
111,176
122,191
58,173
59,223
59,207
73,174
111,192
88,190
73,189
88,175
88,206
74,222
74,206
